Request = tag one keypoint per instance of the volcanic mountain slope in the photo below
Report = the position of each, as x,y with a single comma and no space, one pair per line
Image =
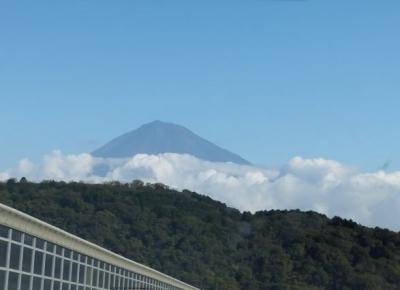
160,137
207,244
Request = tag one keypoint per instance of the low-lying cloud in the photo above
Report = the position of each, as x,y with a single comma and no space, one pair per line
325,186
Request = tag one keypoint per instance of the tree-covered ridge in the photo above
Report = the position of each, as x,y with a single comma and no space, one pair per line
207,244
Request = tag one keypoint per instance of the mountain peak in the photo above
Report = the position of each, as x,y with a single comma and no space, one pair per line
163,137
157,124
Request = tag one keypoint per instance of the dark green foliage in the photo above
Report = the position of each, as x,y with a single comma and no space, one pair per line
212,246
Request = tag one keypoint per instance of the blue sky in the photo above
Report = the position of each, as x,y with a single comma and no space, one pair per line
266,79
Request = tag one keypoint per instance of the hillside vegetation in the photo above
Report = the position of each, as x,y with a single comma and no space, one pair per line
207,244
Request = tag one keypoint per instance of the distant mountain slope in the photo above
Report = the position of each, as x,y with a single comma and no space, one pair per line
205,243
160,137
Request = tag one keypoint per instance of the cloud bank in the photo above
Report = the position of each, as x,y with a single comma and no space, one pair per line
325,186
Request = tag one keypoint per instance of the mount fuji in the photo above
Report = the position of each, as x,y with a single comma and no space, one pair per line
160,137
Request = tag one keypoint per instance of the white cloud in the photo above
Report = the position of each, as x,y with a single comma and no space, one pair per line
322,185
4,176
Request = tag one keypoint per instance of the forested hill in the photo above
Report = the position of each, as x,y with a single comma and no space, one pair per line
212,246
